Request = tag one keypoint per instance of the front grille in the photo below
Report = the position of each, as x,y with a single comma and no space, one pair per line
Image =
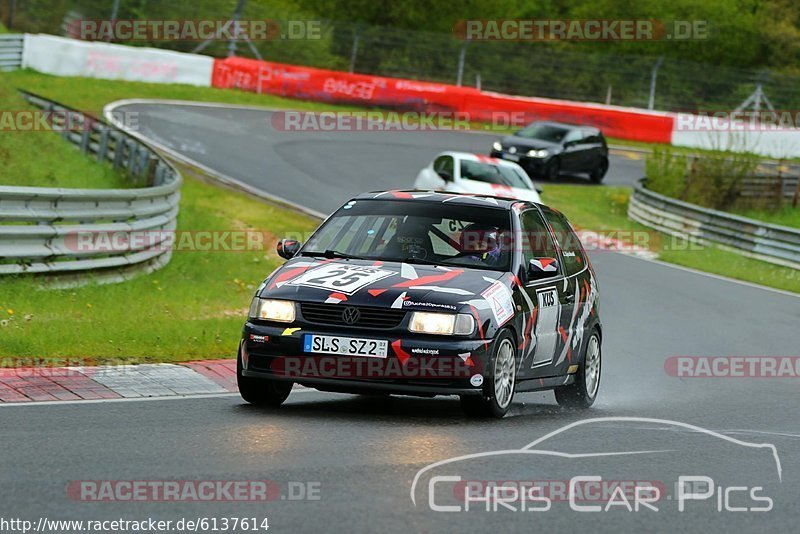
331,314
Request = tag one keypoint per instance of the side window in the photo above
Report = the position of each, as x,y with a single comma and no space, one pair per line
444,163
573,135
536,240
574,256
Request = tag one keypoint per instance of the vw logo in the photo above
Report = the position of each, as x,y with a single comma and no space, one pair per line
351,315
512,150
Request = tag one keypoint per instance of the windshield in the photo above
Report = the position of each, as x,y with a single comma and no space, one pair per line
492,174
545,132
422,232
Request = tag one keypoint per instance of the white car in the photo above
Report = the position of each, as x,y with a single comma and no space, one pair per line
462,172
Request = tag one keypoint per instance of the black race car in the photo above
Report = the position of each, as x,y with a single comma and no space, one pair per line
424,293
545,149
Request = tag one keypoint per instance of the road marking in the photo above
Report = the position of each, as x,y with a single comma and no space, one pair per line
297,389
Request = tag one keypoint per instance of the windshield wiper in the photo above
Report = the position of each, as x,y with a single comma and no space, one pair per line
331,254
418,261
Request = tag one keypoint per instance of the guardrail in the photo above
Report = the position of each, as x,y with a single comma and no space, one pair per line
768,242
11,51
49,230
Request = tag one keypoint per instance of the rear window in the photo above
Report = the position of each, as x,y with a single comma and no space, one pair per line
492,174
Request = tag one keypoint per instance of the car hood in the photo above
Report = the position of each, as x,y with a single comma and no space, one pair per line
537,144
384,284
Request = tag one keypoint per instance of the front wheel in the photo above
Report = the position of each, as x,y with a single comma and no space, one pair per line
498,388
583,392
261,392
553,170
599,172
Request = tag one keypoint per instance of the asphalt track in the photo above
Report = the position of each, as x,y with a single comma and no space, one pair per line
366,452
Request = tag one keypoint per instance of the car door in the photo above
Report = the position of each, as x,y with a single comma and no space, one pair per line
543,299
572,154
575,265
592,148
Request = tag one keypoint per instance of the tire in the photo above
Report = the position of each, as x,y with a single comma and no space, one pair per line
259,391
498,387
599,172
583,392
553,170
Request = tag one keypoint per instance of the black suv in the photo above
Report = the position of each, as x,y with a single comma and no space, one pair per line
545,149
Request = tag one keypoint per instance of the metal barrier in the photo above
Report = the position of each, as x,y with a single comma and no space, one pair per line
768,242
10,51
48,230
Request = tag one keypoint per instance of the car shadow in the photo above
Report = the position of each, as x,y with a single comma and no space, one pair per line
400,409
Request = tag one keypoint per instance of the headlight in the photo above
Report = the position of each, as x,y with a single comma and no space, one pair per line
538,153
461,324
281,311
497,146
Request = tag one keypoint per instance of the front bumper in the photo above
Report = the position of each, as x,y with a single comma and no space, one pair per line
415,364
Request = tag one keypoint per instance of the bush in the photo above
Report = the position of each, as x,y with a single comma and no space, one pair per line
713,181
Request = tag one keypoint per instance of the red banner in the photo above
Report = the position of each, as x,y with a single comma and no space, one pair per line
344,88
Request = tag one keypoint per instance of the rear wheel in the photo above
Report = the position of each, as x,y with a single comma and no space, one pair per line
498,388
583,392
261,392
599,172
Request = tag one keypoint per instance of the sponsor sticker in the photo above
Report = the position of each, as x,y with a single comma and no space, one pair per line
340,277
501,301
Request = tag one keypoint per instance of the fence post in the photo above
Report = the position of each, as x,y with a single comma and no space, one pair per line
462,53
102,146
354,50
651,102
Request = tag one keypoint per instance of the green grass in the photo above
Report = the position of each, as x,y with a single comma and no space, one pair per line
604,209
194,307
191,309
42,158
786,216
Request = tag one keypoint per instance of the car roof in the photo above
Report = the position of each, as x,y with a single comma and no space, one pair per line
435,197
567,125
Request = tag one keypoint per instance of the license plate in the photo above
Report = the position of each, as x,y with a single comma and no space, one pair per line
511,157
346,346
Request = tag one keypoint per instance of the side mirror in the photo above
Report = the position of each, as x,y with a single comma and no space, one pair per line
539,268
444,175
287,248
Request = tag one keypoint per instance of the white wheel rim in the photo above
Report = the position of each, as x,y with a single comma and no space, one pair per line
505,373
591,366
